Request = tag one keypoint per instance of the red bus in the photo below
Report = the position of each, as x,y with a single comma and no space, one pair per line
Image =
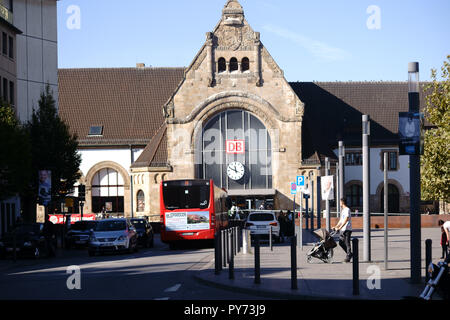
191,210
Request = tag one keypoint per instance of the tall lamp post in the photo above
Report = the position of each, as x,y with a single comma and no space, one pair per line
414,179
366,186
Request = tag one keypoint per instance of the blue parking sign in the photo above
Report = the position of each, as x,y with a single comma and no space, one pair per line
301,181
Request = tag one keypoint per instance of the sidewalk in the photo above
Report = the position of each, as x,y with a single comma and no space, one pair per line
317,280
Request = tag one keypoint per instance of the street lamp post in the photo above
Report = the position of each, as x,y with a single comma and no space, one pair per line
366,186
327,202
414,179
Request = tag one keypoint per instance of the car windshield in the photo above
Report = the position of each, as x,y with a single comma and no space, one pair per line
186,197
85,225
261,217
111,226
138,224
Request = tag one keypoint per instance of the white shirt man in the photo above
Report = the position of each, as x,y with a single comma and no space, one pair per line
345,227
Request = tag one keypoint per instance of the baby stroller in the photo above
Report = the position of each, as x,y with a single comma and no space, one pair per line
323,249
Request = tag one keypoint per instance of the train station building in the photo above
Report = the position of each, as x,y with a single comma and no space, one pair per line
230,116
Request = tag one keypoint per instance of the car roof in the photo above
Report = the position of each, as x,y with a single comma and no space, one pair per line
262,212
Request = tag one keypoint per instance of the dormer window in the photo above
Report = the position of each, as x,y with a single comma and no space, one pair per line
95,131
245,64
222,65
234,66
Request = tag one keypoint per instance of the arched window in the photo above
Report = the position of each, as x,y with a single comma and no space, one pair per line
140,201
222,65
393,199
234,66
245,65
108,191
354,196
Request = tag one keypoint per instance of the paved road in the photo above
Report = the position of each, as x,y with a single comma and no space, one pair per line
150,274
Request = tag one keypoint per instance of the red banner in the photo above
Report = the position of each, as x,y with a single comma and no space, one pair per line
59,218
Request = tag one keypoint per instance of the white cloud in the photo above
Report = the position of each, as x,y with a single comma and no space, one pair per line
318,49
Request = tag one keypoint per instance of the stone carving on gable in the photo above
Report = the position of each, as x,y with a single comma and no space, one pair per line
169,110
272,64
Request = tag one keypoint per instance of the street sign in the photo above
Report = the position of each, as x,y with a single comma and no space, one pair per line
301,181
293,188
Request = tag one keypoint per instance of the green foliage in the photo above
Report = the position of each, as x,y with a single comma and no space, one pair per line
53,147
15,164
436,159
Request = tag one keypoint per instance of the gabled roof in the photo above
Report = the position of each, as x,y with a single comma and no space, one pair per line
127,102
155,153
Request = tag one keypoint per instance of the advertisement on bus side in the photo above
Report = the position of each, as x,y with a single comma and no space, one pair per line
181,221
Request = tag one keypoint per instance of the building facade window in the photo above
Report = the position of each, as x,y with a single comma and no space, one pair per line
393,199
354,196
4,43
5,89
254,163
353,158
245,64
234,66
222,65
11,48
393,159
108,191
140,201
11,93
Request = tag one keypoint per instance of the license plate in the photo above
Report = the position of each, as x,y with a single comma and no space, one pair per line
188,234
12,249
107,244
261,227
80,241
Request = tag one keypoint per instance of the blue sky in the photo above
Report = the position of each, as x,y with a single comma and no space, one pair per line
321,40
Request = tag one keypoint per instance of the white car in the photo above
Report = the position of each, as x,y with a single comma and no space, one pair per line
113,235
259,223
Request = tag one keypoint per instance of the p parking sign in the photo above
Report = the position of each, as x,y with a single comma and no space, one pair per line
301,181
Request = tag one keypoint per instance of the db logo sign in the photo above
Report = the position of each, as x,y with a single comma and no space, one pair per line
235,146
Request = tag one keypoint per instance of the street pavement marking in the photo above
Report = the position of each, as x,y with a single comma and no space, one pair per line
174,288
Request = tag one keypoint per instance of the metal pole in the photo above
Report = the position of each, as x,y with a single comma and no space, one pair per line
307,214
293,263
366,186
312,203
224,248
319,199
216,253
327,202
270,239
414,181
428,256
231,266
341,170
386,211
338,196
300,227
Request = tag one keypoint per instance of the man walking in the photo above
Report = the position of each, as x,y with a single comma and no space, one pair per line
344,226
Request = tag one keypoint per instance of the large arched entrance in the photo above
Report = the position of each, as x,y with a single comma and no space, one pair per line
246,170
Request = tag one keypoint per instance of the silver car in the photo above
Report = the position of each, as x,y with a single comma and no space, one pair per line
260,223
112,235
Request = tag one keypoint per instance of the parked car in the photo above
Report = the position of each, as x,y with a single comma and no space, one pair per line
30,241
144,231
78,234
113,235
259,223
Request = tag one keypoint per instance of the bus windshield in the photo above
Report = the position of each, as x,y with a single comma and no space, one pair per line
186,197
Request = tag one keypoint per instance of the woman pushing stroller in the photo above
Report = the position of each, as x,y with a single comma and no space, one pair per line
344,226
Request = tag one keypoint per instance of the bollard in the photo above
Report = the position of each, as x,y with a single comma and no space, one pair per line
270,238
231,266
355,266
294,263
236,242
428,256
257,261
217,258
224,251
14,246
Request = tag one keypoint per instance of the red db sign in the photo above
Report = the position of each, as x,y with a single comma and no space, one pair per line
235,146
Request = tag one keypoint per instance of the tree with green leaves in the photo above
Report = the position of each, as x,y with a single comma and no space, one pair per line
15,155
436,159
53,148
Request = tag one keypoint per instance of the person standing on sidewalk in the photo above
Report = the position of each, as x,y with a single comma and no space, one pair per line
445,229
344,226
